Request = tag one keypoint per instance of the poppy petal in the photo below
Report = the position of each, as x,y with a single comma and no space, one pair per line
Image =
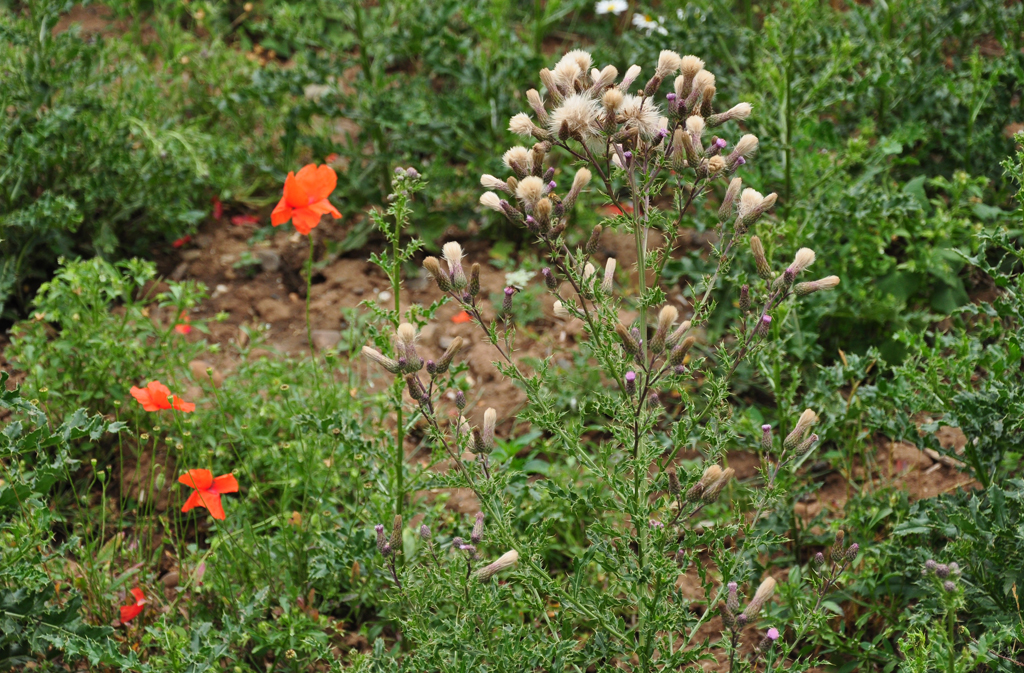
282,213
305,220
158,394
182,405
200,480
211,501
225,483
130,612
144,398
139,596
294,192
323,207
192,502
318,181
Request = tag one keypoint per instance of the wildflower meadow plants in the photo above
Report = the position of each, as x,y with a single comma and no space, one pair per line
653,156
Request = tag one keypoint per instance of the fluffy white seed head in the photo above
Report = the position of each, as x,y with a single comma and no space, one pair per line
609,275
804,258
406,333
631,74
580,113
581,179
491,200
520,156
690,65
588,271
739,111
695,125
490,418
537,103
668,63
521,125
680,86
828,282
583,60
667,317
749,200
605,77
452,253
641,113
565,74
561,311
746,146
703,80
490,182
530,190
504,562
715,164
612,99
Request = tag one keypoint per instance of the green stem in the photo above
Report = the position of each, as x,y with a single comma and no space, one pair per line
951,626
396,287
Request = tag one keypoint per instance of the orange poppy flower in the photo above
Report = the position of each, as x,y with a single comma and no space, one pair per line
132,610
305,198
156,396
208,491
183,327
461,317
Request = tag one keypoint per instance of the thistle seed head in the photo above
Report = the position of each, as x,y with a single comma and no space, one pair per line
504,562
578,115
763,594
668,63
518,160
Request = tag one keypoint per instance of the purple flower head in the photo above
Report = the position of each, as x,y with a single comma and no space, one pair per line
766,428
740,161
733,587
721,143
530,219
509,291
552,185
379,528
670,96
766,319
628,155
631,377
773,633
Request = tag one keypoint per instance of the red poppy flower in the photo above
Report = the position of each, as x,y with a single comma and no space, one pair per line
182,241
239,220
331,158
183,327
305,198
461,317
156,396
218,208
132,610
612,209
208,491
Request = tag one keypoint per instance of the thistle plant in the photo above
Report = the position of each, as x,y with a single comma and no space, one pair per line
640,144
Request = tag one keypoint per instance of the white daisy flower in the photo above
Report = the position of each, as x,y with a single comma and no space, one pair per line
615,7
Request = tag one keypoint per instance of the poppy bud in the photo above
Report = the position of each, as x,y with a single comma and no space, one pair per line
744,299
478,529
766,438
474,280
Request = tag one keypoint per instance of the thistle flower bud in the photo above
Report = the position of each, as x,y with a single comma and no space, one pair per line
609,276
612,100
942,571
548,79
695,127
949,586
819,559
631,383
678,333
769,639
666,318
457,543
838,552
425,533
460,397
431,367
712,492
384,361
396,533
474,279
763,594
701,81
740,111
805,446
452,253
677,356
851,552
381,540
807,419
763,325
506,303
728,618
478,529
725,210
537,155
446,359
533,97
652,86
493,183
405,344
707,97
631,74
764,268
504,562
733,601
594,240
684,140
549,279
579,181
416,390
477,446
433,268
744,298
929,566
766,438
674,487
629,343
680,556
954,567
490,419
826,283
753,206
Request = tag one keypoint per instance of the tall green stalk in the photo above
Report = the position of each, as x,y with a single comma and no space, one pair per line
396,286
